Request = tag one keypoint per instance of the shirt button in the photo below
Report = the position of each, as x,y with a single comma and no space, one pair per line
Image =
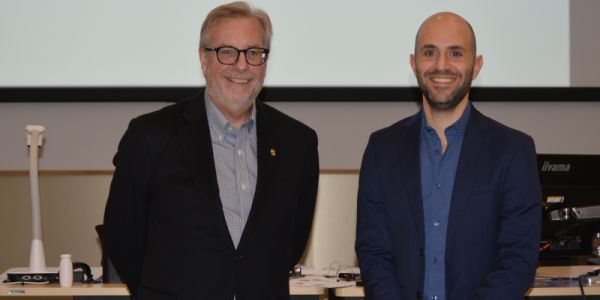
437,186
239,152
220,137
436,223
434,297
243,187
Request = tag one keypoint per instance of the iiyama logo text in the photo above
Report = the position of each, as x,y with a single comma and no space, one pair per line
548,167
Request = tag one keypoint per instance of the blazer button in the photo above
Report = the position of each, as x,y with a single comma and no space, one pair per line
237,257
419,295
421,252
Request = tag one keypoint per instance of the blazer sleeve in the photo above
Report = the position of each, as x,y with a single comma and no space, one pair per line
306,202
519,229
373,246
125,213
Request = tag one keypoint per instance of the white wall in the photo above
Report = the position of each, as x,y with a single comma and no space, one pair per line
73,205
84,136
333,231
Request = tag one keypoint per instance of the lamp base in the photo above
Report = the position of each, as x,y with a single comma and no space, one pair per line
25,275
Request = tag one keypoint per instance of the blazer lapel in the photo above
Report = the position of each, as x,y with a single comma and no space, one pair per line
195,138
472,153
410,168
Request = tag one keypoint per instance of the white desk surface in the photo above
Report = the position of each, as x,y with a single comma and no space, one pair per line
78,289
543,286
101,289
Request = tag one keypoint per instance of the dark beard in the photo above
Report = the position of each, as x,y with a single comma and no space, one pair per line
454,99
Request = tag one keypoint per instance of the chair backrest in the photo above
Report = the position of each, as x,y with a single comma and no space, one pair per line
109,274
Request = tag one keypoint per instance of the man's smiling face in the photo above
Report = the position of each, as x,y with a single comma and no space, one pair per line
234,87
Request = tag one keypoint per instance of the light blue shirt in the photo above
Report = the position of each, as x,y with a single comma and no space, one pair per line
234,151
438,171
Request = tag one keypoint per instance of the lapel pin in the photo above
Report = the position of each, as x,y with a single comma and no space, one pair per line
273,152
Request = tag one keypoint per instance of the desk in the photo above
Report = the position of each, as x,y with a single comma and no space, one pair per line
542,287
113,291
539,290
79,291
98,291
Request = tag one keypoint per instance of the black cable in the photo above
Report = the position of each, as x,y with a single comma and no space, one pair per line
560,233
583,277
88,277
580,281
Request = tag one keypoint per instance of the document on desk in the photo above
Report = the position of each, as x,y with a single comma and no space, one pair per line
325,278
306,270
555,282
320,281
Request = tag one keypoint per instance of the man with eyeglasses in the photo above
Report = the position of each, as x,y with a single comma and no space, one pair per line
449,200
213,197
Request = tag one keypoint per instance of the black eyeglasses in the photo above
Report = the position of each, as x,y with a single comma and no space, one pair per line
228,55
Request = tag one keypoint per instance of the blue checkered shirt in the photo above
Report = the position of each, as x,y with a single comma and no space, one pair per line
234,151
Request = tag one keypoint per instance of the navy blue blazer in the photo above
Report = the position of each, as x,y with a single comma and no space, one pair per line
494,218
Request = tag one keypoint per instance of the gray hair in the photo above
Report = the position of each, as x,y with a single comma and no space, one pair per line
237,9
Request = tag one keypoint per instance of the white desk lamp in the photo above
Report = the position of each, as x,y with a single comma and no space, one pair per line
37,270
37,261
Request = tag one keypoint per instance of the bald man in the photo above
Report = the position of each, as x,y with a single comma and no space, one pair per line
449,201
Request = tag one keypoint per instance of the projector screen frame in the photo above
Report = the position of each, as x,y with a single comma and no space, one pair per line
295,94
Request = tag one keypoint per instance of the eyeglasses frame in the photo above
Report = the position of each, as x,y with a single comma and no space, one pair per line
264,51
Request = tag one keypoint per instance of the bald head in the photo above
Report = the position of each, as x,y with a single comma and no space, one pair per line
445,61
446,20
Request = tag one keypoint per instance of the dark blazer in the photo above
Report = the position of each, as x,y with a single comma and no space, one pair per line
494,217
164,227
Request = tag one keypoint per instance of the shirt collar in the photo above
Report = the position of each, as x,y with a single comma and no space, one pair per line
218,120
461,124
458,127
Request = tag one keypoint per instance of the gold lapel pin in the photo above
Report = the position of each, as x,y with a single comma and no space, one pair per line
273,152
